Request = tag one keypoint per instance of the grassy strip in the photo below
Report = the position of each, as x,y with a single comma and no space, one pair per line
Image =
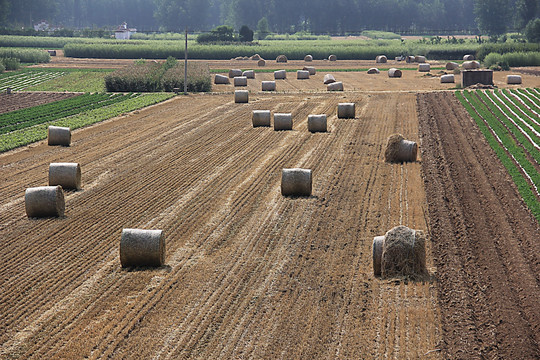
23,79
74,81
503,133
524,188
505,117
39,132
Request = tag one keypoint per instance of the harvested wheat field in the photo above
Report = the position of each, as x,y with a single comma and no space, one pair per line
249,273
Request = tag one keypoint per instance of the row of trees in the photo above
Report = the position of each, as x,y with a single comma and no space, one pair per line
284,16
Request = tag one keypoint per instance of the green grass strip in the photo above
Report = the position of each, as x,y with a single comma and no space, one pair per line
39,132
524,188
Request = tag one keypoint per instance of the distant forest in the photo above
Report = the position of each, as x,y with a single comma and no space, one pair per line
283,16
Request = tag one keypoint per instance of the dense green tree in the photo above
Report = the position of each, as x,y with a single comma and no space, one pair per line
492,16
526,10
245,34
532,31
262,28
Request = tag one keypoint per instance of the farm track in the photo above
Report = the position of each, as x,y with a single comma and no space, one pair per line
23,100
250,274
485,240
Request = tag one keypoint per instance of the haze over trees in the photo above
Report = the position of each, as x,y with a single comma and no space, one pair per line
283,16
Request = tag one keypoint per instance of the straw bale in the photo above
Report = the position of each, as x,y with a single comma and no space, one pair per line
346,110
221,79
471,65
424,67
410,59
513,79
256,57
394,73
332,58
378,243
381,59
250,74
420,59
240,81
67,175
283,122
335,86
452,65
468,57
44,201
280,74
261,118
373,71
281,59
57,135
302,74
261,63
234,73
310,69
241,96
328,79
268,86
296,182
317,123
400,150
308,58
449,78
404,253
142,248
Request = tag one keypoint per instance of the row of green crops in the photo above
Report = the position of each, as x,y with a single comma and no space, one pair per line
20,119
27,78
148,76
39,132
26,55
503,118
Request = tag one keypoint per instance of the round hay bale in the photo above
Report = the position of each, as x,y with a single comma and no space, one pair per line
404,253
317,123
239,58
234,73
420,59
281,59
335,86
142,248
471,65
373,71
57,135
310,69
241,96
332,58
346,111
449,78
468,57
283,122
221,79
261,118
280,74
410,59
250,74
394,73
424,67
381,59
513,79
268,86
256,57
240,81
302,74
452,65
44,201
400,150
378,243
308,58
261,63
8,90
328,79
296,182
67,175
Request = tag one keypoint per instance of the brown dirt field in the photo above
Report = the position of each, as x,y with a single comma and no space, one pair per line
21,100
249,274
485,241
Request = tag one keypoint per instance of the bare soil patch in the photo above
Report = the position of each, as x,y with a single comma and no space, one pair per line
485,241
21,100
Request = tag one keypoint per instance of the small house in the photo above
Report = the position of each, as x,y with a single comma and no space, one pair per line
122,32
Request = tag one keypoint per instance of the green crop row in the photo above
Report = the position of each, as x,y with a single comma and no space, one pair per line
530,95
24,118
39,132
26,55
487,123
510,100
26,78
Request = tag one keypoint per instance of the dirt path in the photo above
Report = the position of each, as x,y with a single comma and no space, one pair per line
250,274
485,241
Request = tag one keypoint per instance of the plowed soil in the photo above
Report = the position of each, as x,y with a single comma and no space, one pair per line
249,273
22,100
485,241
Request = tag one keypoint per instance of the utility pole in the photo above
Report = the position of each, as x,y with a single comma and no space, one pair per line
185,67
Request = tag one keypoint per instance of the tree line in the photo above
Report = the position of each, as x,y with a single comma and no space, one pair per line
282,16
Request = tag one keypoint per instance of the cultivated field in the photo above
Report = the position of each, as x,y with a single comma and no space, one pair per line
252,274
22,100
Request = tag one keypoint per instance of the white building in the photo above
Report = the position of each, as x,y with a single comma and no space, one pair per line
41,26
123,32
